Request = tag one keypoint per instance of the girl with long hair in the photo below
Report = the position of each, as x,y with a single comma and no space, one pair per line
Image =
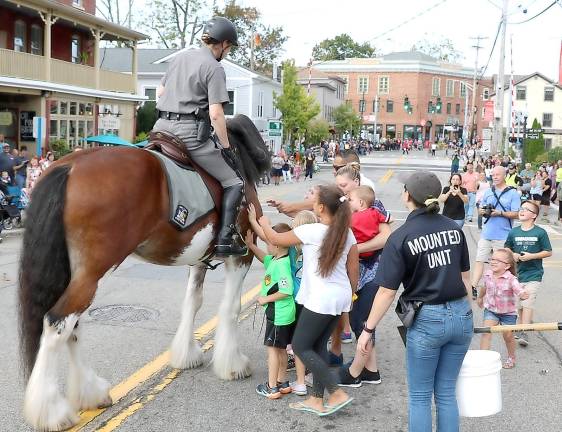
330,275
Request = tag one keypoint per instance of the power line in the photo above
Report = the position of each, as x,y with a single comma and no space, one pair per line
537,15
439,3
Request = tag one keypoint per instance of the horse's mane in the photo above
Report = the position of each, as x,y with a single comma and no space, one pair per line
250,148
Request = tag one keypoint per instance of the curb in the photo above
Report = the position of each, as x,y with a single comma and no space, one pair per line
15,232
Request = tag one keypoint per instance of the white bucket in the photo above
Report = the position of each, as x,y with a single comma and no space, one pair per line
479,391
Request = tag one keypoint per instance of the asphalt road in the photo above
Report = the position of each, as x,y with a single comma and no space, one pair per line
137,309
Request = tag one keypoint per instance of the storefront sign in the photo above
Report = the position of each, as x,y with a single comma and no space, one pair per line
5,118
109,122
26,125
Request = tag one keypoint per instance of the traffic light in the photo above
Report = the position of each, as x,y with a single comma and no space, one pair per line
438,105
406,103
513,139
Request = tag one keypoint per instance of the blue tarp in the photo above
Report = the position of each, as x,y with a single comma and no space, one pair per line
109,139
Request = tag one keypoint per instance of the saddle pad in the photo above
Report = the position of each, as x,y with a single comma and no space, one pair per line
189,197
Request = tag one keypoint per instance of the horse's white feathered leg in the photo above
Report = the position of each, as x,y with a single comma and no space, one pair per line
185,351
45,408
228,361
86,390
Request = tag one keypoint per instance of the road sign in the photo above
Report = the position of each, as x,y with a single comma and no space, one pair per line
274,128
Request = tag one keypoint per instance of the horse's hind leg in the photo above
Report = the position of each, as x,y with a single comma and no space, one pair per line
45,408
228,361
86,390
185,351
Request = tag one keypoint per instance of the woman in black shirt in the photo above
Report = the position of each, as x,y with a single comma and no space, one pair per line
454,198
428,254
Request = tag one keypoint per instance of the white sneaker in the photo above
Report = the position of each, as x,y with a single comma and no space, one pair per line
299,389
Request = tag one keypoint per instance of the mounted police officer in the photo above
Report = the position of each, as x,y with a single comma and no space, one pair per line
191,99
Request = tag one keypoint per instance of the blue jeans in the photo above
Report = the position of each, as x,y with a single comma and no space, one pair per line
459,222
436,345
469,206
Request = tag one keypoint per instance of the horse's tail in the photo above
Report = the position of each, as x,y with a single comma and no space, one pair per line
44,271
252,150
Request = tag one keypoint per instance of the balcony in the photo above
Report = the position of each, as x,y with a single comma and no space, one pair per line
28,66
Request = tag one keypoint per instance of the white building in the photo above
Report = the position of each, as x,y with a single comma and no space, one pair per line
537,97
327,89
250,92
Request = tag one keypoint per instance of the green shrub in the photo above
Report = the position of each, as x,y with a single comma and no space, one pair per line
59,148
143,136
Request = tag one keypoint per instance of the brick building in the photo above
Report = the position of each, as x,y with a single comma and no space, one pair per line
435,93
51,66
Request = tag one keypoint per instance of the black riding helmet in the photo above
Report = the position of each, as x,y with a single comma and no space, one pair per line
221,29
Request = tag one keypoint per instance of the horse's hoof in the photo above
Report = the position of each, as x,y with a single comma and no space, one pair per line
232,368
105,403
55,416
180,358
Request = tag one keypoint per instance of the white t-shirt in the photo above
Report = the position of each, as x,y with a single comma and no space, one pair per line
330,295
365,181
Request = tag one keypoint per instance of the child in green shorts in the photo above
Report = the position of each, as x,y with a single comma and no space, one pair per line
277,298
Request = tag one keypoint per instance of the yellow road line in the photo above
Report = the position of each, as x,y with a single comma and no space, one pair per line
151,368
384,179
139,403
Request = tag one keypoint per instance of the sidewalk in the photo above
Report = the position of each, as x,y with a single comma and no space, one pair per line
14,232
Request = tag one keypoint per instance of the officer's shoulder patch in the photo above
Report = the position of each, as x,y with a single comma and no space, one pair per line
283,283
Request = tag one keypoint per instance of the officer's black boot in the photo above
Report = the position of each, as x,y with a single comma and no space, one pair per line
226,245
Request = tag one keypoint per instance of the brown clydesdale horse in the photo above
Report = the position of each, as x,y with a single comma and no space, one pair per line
90,211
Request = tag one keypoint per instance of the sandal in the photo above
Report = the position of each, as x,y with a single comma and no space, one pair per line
509,363
333,409
301,406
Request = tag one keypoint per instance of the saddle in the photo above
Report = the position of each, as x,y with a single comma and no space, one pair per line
172,147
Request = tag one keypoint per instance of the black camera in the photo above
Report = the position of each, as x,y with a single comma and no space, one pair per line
488,209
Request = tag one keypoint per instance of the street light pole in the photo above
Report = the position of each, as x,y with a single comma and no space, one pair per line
497,138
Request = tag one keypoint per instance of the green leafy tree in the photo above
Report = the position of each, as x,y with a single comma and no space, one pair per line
346,119
267,42
297,108
146,117
533,147
340,48
441,49
175,22
316,131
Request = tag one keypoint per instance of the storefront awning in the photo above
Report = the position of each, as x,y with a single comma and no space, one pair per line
68,89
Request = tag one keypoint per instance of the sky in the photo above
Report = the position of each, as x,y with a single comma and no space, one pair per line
536,44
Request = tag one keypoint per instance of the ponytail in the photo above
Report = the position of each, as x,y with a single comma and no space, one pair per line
333,244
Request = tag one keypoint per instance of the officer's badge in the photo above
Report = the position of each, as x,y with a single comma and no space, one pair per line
180,215
267,279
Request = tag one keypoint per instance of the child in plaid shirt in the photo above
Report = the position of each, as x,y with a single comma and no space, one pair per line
497,297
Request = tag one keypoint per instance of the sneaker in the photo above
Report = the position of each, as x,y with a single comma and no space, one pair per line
268,392
523,339
347,380
309,380
299,389
370,377
284,387
335,360
516,335
346,338
290,362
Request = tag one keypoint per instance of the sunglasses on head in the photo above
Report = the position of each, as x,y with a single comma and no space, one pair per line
337,167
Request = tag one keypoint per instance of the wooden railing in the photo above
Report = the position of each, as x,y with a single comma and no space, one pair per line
116,81
63,72
21,65
29,66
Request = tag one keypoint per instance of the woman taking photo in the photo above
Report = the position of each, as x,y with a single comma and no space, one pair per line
454,198
429,255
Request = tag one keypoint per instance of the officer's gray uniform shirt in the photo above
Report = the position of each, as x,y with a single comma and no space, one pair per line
195,79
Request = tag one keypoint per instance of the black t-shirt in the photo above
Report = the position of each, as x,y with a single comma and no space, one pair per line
454,205
7,164
546,193
310,161
427,254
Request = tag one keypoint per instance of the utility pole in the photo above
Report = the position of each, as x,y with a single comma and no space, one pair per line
474,87
497,137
